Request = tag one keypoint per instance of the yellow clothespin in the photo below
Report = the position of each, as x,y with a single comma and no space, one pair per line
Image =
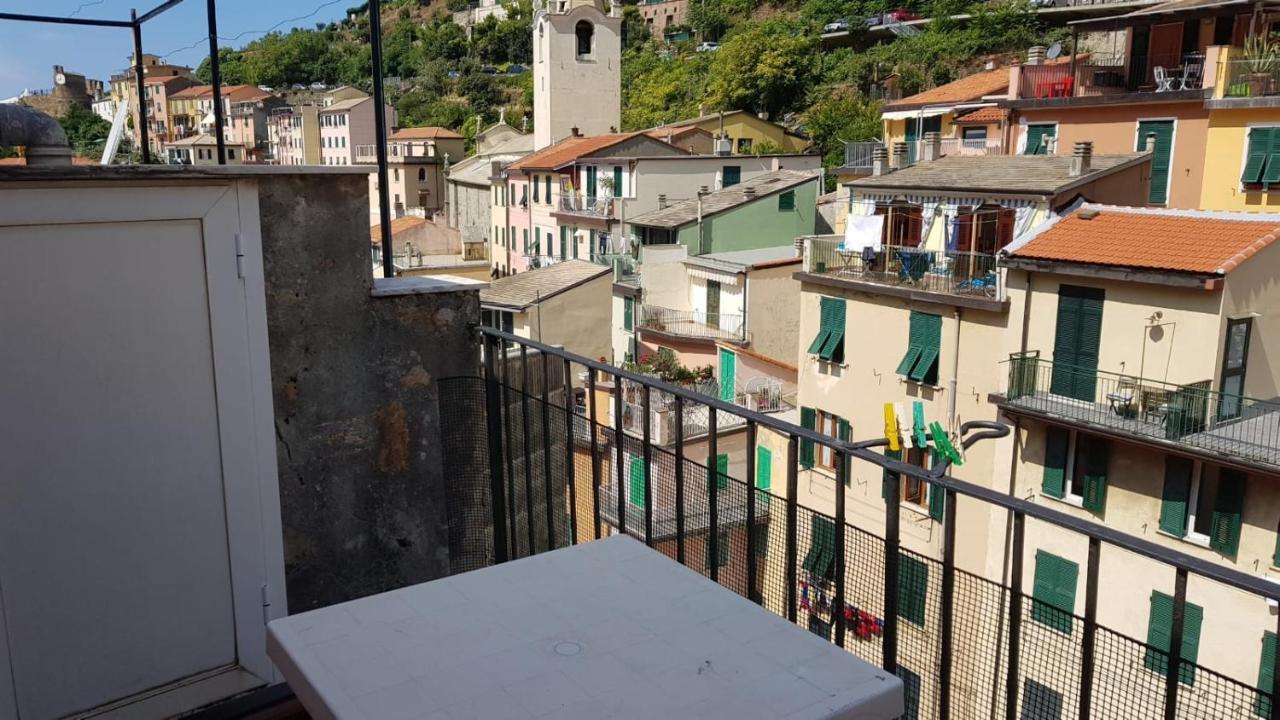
891,427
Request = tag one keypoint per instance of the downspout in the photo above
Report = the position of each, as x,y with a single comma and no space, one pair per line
955,371
41,135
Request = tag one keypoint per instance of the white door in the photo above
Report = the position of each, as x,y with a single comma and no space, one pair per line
127,460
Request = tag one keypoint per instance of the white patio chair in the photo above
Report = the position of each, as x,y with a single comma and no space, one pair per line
1190,76
1164,83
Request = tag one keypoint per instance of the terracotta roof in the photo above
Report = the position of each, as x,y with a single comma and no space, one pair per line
521,290
245,93
970,87
975,174
729,113
983,116
1190,241
195,91
425,133
568,150
399,225
164,80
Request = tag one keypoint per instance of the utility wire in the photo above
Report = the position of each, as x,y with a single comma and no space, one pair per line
83,6
205,38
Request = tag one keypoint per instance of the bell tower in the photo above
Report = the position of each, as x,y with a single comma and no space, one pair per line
577,70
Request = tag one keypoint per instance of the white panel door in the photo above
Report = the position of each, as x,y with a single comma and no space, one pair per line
118,470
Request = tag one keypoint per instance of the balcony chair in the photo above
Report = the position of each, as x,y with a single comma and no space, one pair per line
912,264
1191,75
1164,81
1121,400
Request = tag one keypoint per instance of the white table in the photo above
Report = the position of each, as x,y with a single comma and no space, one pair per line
609,629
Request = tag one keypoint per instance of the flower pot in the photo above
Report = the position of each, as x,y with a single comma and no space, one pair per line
1260,84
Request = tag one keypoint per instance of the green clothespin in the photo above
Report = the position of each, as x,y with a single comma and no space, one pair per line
918,425
943,443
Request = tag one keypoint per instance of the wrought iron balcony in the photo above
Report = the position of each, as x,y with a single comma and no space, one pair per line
965,643
693,324
588,206
953,273
1191,415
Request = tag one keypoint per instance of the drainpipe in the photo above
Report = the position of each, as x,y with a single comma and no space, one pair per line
45,141
955,371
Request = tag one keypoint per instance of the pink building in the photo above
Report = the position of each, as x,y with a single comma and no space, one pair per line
346,124
247,110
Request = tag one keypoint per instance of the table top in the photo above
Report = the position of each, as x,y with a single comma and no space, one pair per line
608,629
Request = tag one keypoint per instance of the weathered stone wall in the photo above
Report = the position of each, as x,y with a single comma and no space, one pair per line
355,385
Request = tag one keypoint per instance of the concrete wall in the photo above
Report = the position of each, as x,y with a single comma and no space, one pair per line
754,225
1254,289
1114,129
354,379
773,304
1224,147
470,211
579,319
569,91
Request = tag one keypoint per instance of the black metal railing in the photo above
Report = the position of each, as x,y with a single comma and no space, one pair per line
1192,414
949,272
693,323
964,644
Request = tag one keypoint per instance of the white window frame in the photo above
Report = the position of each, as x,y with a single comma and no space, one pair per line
1244,153
1025,126
824,456
1173,149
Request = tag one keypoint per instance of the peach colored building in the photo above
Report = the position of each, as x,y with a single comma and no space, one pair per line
158,90
661,16
346,124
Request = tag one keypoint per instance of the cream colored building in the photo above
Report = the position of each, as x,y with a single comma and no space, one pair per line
563,304
577,71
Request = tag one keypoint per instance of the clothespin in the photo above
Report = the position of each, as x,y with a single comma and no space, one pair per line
918,425
891,427
943,443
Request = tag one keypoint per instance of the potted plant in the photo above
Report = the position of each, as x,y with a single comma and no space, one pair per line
1261,56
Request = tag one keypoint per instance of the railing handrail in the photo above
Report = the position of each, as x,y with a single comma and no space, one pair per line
971,432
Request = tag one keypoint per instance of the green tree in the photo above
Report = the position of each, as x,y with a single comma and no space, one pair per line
763,66
840,115
635,33
86,131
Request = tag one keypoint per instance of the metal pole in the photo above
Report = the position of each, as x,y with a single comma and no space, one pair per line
948,600
752,549
497,499
892,563
713,497
509,447
570,417
380,136
525,447
679,432
1015,618
140,79
648,464
215,71
548,479
1090,628
595,455
837,604
1173,669
792,489
619,438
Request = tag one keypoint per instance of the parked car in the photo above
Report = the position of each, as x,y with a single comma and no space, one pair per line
893,16
836,26
515,69
488,70
707,46
1043,3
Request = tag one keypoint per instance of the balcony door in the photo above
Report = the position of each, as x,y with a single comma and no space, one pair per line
1076,341
1161,163
1235,358
728,374
713,303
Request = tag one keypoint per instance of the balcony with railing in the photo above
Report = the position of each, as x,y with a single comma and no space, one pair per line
1251,78
966,643
577,204
1171,74
858,155
692,324
1190,416
625,267
957,273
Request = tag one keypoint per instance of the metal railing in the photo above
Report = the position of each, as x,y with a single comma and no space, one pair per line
963,147
953,273
624,266
475,250
1191,414
533,262
1251,78
1113,74
858,154
578,204
692,323
965,644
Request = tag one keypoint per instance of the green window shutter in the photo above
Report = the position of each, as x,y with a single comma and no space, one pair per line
1266,675
731,175
764,467
1095,475
1177,491
1160,162
524,239
722,471
1160,631
535,188
787,200
1224,533
808,421
937,502
591,181
913,588
617,181
628,313
722,549
915,341
888,475
911,685
1054,591
1256,156
1035,135
1275,559
548,186
834,312
760,531
926,367
820,560
1056,441
824,327
636,487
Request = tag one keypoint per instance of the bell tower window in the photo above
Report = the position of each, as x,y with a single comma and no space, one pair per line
584,32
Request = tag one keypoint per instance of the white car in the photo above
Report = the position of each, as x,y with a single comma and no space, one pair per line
836,26
708,46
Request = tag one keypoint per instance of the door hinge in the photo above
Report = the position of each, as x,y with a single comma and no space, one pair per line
266,603
239,257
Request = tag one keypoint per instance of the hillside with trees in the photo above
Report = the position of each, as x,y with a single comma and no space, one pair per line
770,61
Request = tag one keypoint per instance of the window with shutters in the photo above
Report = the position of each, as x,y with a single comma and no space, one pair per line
913,589
914,490
1261,159
1075,468
910,693
984,230
1076,343
730,175
764,467
1040,138
820,560
719,472
1054,591
828,344
809,421
628,313
1160,633
1202,503
1161,161
904,225
787,201
924,341
1266,675
1040,702
827,424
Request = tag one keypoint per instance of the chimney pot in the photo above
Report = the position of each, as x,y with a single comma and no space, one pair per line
662,202
749,191
879,160
931,147
1151,142
900,156
703,190
1081,158
1035,55
574,131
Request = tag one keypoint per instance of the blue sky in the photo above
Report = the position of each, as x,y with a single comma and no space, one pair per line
28,51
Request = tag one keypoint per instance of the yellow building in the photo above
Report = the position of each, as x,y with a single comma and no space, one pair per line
1140,384
1244,114
943,110
746,132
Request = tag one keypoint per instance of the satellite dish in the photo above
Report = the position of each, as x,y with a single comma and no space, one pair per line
1054,51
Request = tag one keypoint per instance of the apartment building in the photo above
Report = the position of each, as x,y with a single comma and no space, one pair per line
662,15
472,199
418,160
294,129
563,304
346,124
158,90
951,110
744,132
123,90
201,149
1138,375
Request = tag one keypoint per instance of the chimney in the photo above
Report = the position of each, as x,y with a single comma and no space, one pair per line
1035,55
495,168
703,190
879,160
799,245
931,148
575,132
749,192
899,155
662,202
1081,159
1151,142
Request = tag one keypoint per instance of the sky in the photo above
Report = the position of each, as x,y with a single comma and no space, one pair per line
28,51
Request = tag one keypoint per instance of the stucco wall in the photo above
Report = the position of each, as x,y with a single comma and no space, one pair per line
579,319
758,224
746,125
773,304
570,92
1253,288
1225,144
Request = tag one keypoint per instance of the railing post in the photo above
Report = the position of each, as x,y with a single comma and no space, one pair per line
524,446
547,482
752,595
892,561
948,601
679,431
713,496
1174,666
619,439
648,461
493,413
1090,628
595,455
570,419
842,476
1274,713
215,81
792,491
1015,618
510,449
139,77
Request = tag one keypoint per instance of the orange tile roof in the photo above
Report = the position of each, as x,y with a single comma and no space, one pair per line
568,150
399,225
195,91
983,116
1178,240
970,87
425,133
